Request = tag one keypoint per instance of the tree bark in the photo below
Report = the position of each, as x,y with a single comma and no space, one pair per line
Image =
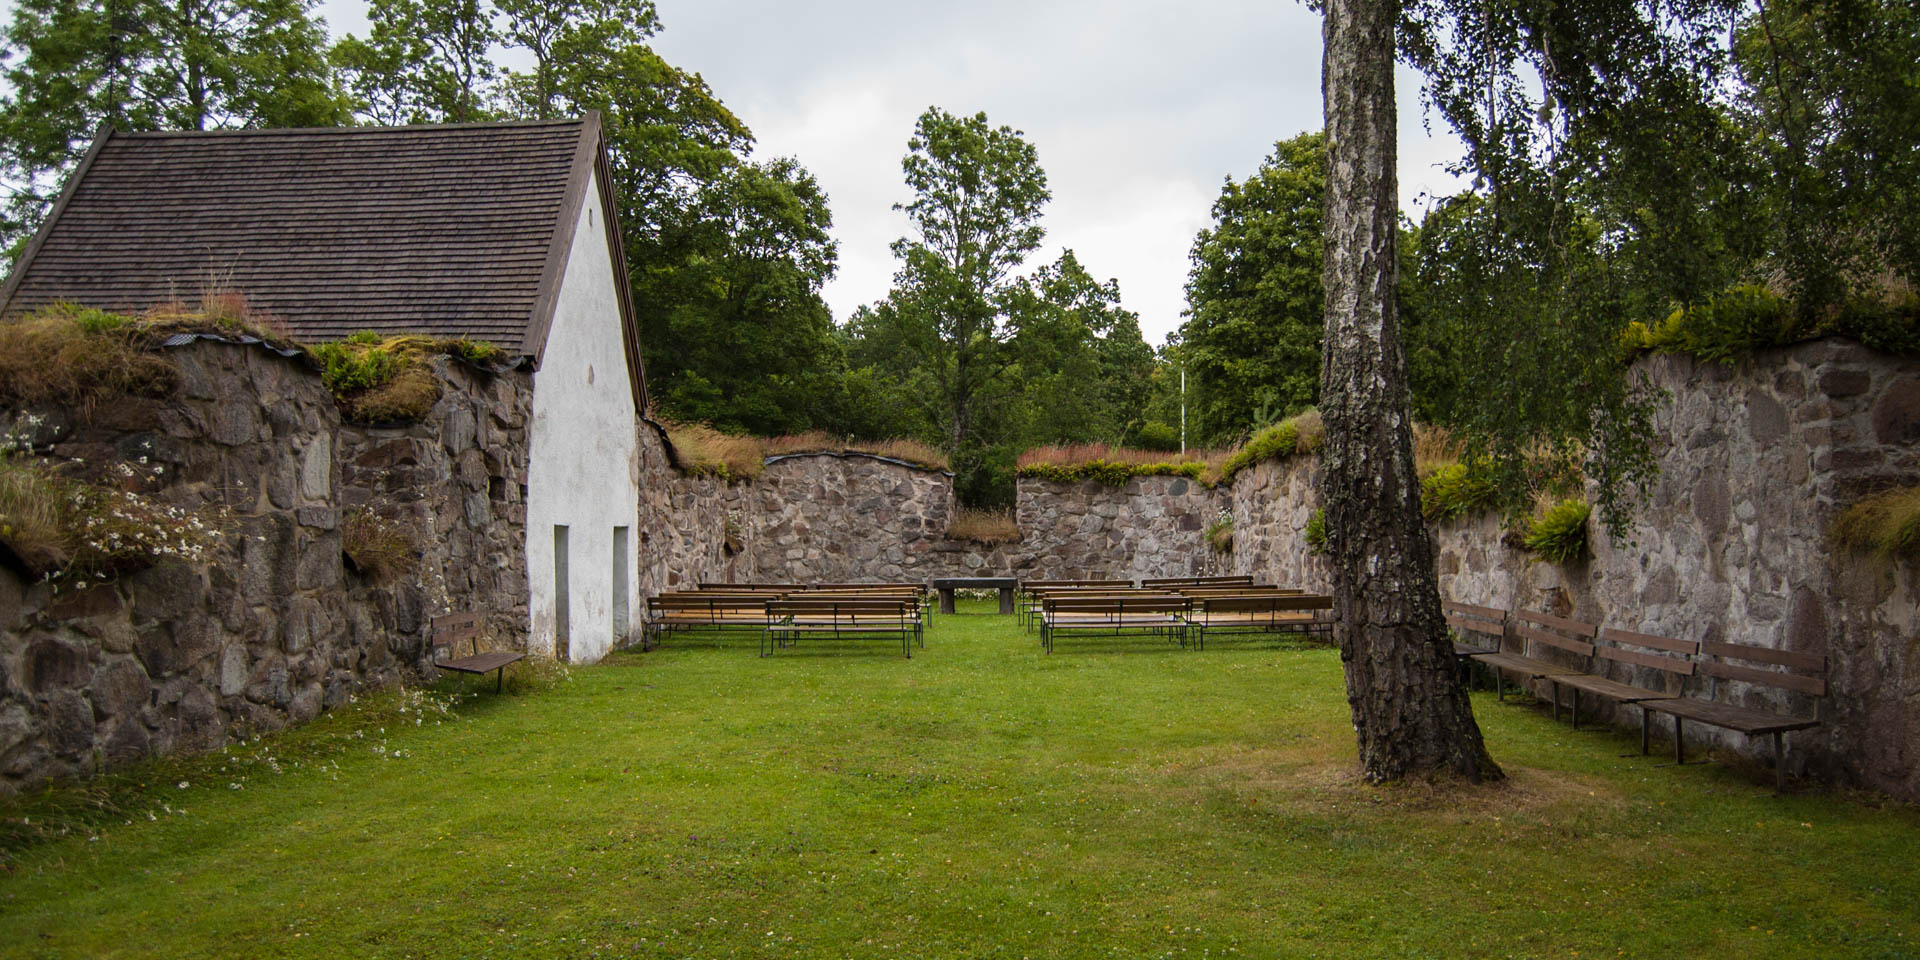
1411,713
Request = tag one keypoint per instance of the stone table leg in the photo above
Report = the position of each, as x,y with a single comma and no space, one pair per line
1006,599
946,599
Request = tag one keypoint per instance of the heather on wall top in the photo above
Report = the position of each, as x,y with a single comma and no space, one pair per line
699,450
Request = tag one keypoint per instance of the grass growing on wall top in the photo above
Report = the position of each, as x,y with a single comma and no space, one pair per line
1301,433
76,357
1114,466
1884,525
702,450
1119,798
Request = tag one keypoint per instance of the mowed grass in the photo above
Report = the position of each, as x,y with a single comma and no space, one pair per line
1116,799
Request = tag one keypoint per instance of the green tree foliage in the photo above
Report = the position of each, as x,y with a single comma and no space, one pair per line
423,61
1251,341
740,336
978,191
1079,356
1629,159
72,65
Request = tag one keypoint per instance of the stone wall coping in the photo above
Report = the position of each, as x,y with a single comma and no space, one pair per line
849,454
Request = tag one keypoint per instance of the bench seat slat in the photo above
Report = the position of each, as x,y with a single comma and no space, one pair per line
1727,715
1611,689
1526,665
483,663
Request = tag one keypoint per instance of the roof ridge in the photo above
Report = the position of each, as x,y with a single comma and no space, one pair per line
360,130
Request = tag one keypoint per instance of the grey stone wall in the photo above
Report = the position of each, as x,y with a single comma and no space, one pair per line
1729,544
692,529
1150,527
847,518
275,627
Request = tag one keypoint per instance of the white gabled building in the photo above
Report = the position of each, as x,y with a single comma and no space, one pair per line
499,232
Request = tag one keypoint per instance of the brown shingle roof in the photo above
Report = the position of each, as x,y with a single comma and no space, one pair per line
450,231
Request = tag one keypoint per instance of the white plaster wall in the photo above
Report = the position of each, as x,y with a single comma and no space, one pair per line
584,465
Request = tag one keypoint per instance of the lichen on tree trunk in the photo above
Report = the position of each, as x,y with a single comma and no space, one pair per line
1410,711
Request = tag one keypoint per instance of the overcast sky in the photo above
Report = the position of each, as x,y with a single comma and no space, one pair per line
1138,111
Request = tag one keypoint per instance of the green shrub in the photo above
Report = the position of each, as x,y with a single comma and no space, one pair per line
1560,534
1303,432
1219,533
1316,532
1110,473
1452,491
1884,525
1743,319
1154,435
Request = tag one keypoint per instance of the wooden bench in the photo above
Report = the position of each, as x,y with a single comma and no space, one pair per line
1116,614
1671,665
1469,620
1030,591
1535,630
1037,596
452,628
922,610
1801,673
1256,613
787,620
704,609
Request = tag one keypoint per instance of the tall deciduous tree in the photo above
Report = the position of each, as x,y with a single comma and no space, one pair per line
1410,710
424,61
978,191
1251,341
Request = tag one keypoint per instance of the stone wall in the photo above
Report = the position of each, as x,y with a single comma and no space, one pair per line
1150,527
275,626
1729,544
692,529
849,517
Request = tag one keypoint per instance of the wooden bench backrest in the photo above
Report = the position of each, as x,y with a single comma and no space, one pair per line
752,587
1193,581
1031,585
1235,590
842,587
1475,619
1112,591
1264,603
1811,678
451,628
1569,635
1614,643
710,601
837,607
1133,603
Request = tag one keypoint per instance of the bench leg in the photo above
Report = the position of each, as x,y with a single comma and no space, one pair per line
1576,704
1779,763
1679,743
500,679
1646,723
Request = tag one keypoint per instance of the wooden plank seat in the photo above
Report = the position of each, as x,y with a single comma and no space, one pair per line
450,629
1159,614
1536,630
1256,613
787,620
1799,673
1671,665
704,609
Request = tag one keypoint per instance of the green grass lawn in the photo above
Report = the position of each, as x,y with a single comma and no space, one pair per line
1117,799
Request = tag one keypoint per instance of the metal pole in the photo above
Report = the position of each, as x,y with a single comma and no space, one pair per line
1183,409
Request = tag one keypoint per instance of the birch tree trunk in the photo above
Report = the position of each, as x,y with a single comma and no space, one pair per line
1410,711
